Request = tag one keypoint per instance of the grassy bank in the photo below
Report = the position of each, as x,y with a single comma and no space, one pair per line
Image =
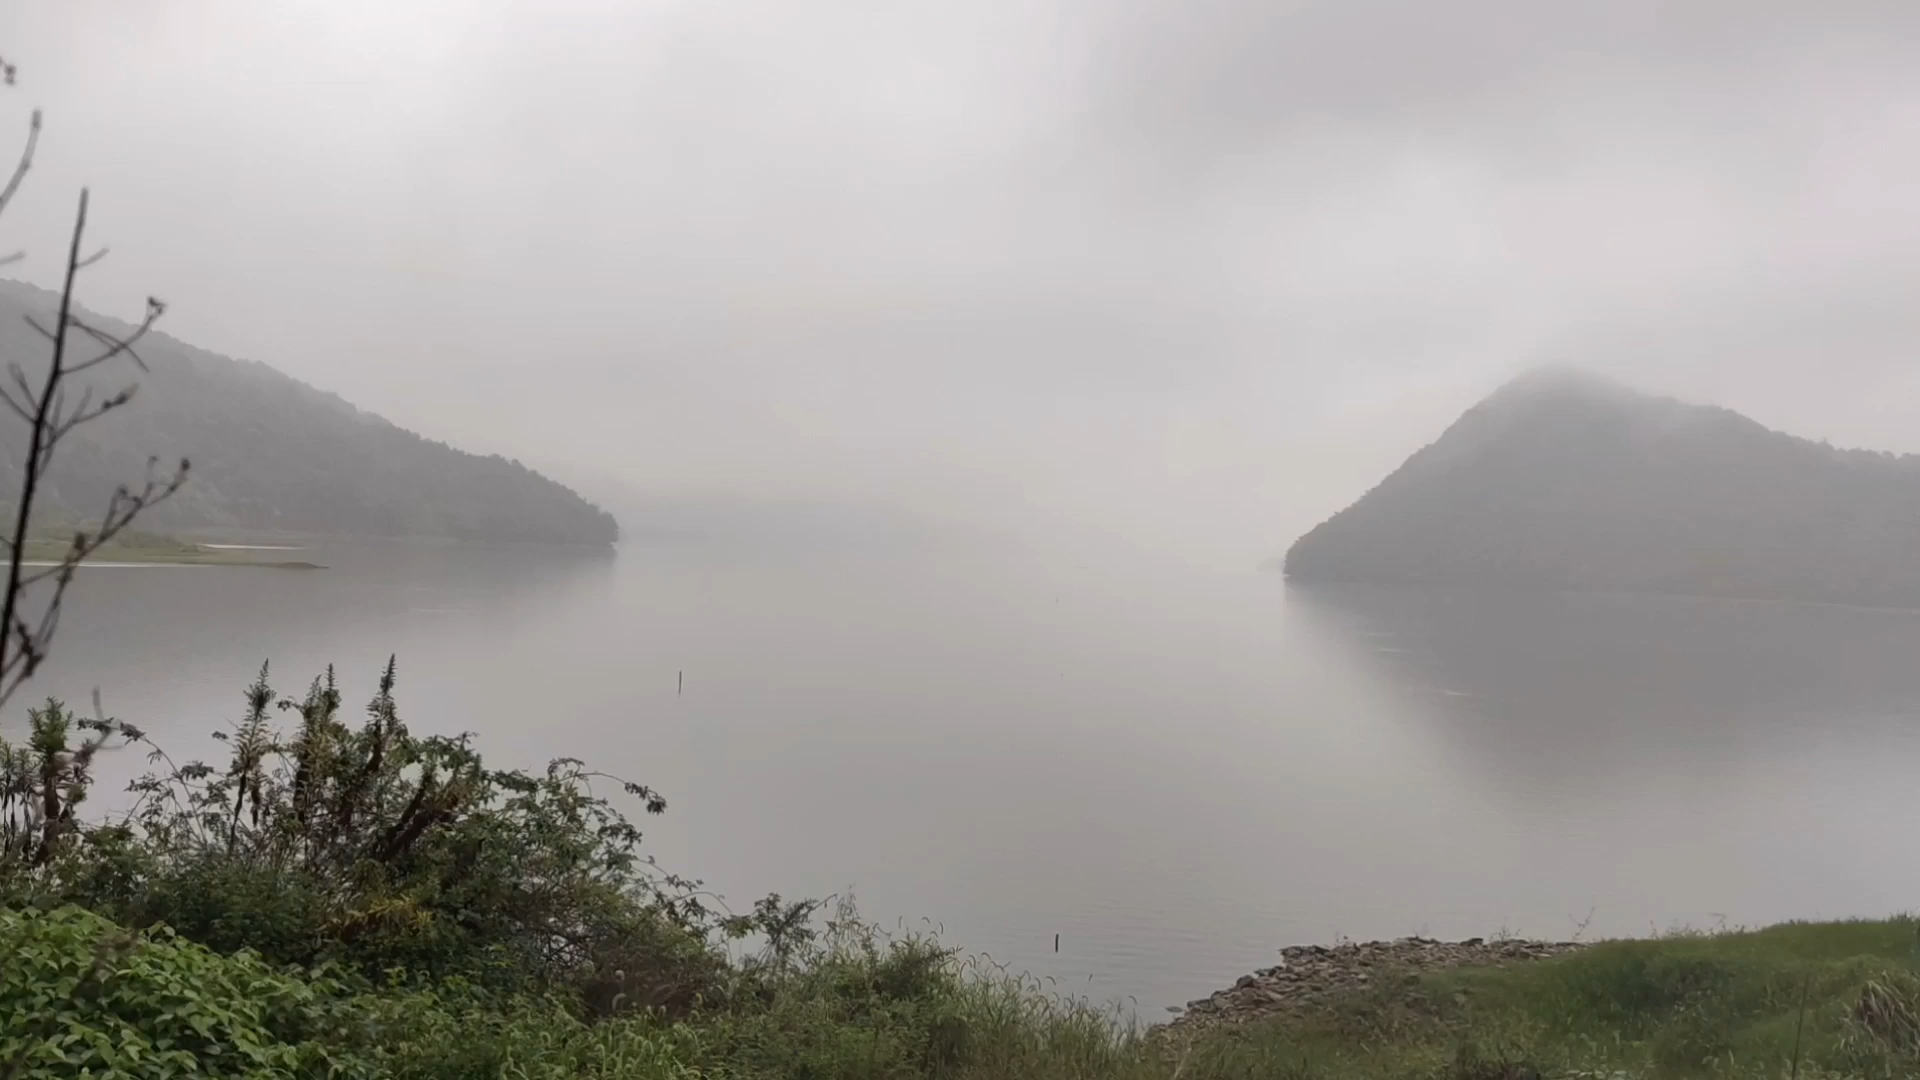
1841,999
138,547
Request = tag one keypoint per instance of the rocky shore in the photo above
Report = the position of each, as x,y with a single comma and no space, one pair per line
1308,976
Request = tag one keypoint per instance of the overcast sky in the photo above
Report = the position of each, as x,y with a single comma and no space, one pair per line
1189,271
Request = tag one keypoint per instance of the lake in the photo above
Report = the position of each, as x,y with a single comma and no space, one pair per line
1178,770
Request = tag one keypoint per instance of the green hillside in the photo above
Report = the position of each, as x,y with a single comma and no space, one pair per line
271,454
1564,481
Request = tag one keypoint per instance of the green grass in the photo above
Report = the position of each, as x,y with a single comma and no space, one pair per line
1842,998
140,547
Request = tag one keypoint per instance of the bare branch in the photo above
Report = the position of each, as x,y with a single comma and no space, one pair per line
25,638
19,410
28,649
25,162
117,346
64,424
34,640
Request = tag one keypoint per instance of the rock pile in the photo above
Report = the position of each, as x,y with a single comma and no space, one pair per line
1310,975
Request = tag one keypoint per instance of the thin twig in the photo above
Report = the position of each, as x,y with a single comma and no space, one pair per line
25,162
19,410
23,642
119,346
30,481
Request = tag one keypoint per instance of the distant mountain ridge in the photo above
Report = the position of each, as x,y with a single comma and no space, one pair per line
1563,480
272,455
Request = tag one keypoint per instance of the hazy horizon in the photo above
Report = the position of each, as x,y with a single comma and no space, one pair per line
841,449
1181,276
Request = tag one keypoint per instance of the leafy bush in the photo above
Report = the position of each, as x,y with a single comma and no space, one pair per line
42,785
361,901
80,996
368,845
91,996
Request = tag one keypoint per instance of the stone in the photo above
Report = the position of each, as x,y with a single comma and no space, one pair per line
1310,976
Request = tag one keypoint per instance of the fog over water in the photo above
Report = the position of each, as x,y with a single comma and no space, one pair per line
1183,276
952,367
1177,770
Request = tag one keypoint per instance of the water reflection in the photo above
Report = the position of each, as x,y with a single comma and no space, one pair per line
1572,694
1178,771
171,647
1661,759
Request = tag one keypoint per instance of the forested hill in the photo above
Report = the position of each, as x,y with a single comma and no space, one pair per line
1565,481
271,454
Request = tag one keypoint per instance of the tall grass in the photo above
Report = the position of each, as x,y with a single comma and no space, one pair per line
1799,1000
1812,1000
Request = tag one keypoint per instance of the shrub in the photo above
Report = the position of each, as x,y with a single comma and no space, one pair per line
80,996
367,845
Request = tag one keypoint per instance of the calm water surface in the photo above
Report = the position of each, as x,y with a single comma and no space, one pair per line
1176,770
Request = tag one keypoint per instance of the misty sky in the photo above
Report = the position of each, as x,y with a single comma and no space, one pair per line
1187,271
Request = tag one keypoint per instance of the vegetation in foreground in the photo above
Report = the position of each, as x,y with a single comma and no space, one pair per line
353,900
1806,999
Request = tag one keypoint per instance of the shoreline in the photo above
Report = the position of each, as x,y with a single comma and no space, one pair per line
45,554
120,561
1310,977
